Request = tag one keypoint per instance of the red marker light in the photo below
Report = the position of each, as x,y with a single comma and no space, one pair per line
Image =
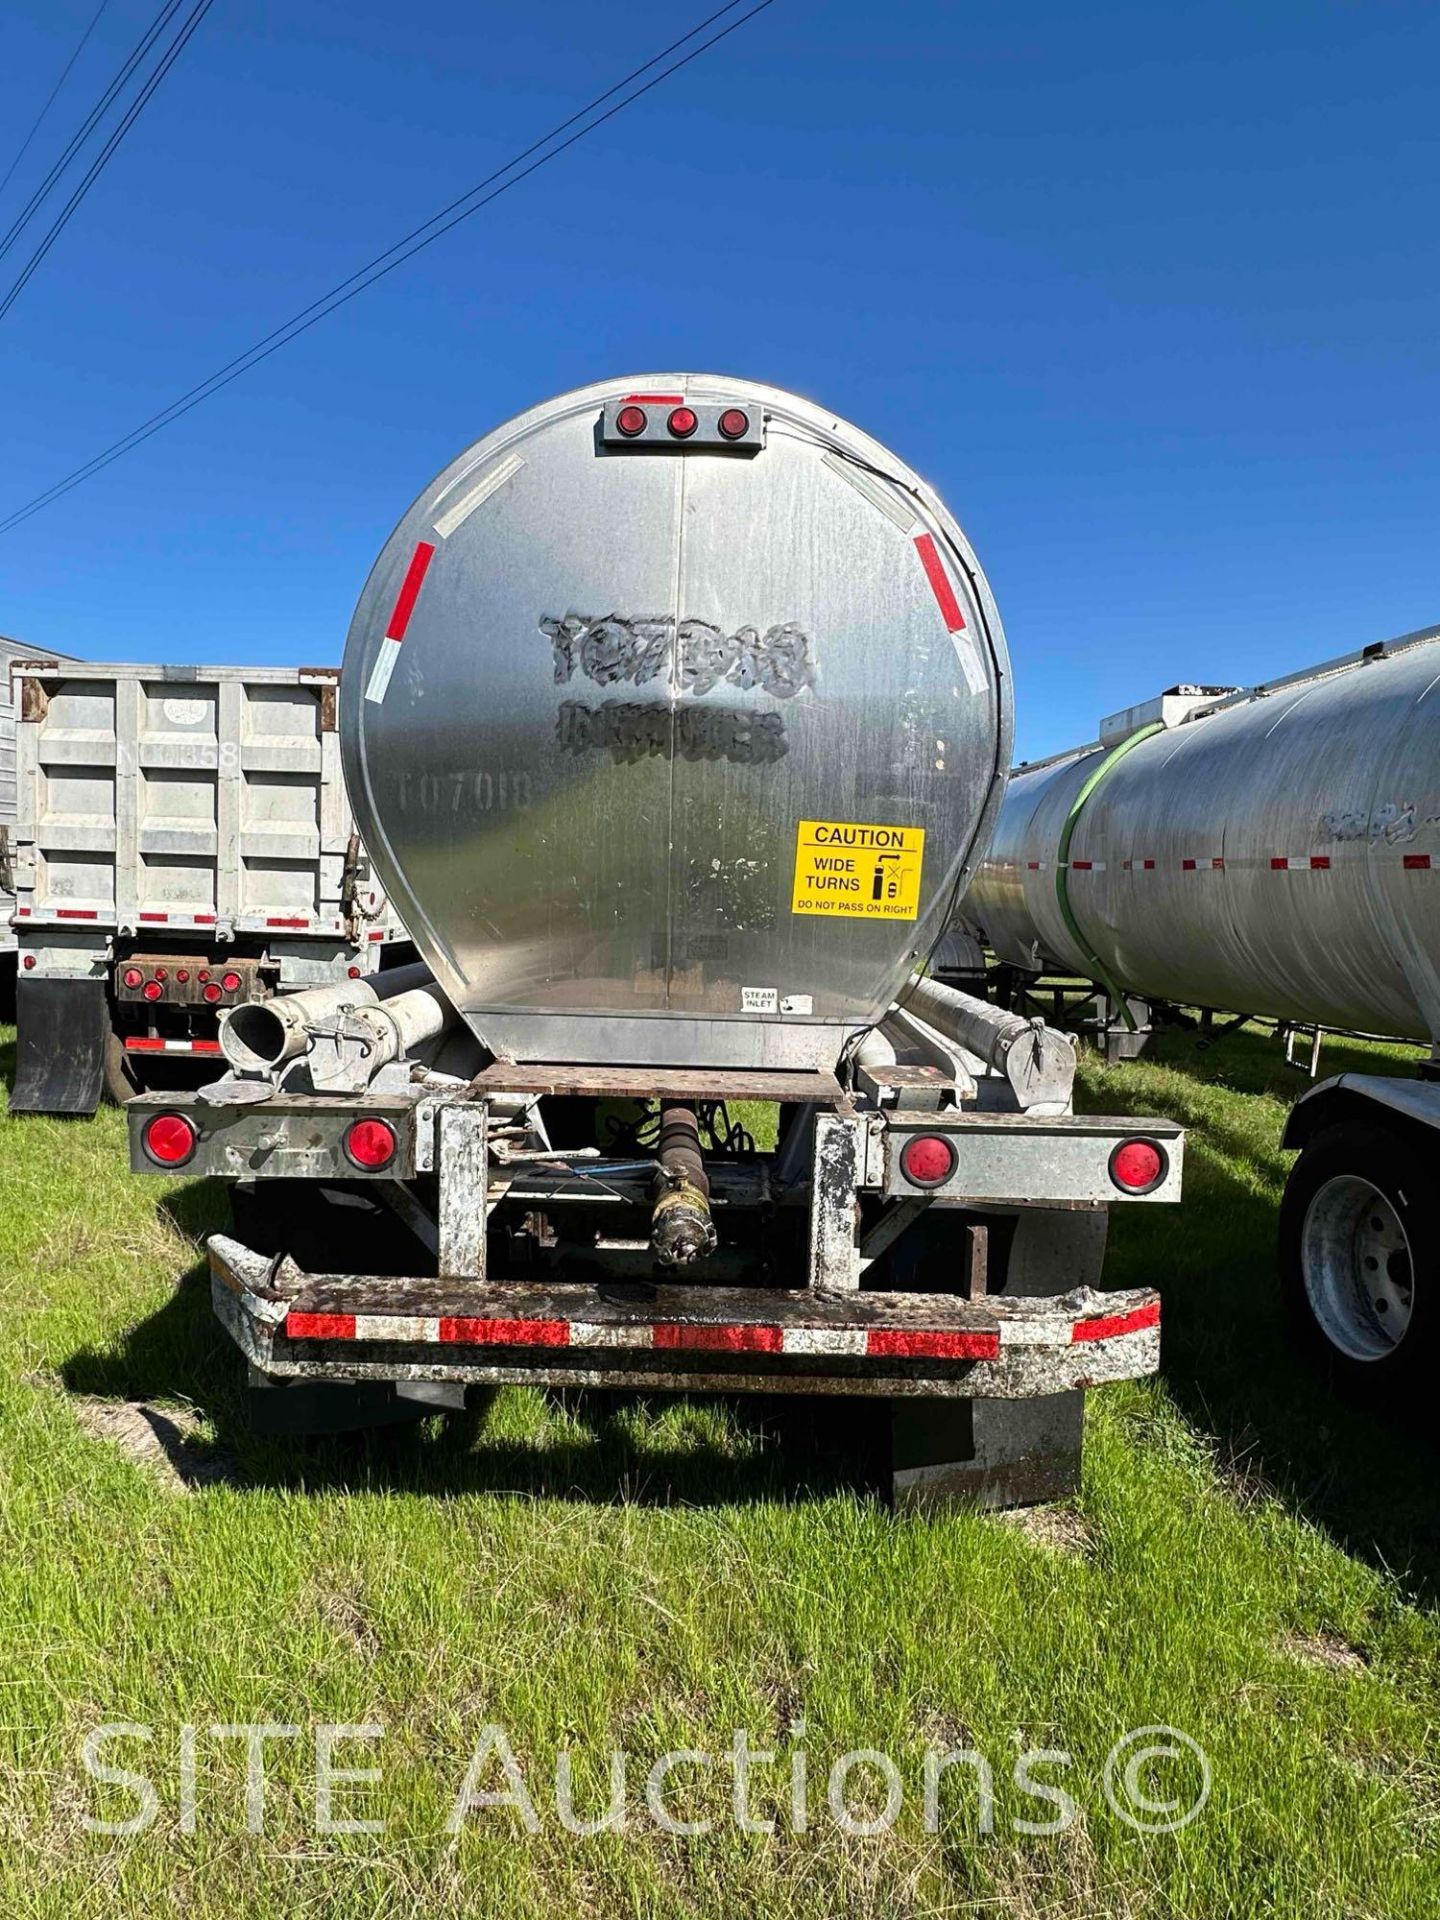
370,1144
1137,1166
231,982
182,974
204,974
211,992
133,977
631,420
153,990
162,973
29,962
682,422
927,1159
352,973
169,1139
734,423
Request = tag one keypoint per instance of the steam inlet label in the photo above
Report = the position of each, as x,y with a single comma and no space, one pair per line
852,871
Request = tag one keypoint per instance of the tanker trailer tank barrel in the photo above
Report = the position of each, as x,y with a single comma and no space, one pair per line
1038,1062
263,1034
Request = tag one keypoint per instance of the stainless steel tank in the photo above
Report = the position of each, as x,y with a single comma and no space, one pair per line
676,714
1276,853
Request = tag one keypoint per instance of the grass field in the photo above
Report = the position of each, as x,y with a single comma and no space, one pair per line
1249,1563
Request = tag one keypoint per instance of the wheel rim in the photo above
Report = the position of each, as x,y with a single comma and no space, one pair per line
1358,1271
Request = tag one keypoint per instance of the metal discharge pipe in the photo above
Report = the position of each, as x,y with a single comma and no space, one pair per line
1277,853
1038,1062
264,1034
348,1052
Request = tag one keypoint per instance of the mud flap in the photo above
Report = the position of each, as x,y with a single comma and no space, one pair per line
299,1408
985,1453
60,1045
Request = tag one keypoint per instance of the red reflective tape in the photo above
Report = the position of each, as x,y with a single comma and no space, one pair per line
276,921
1416,862
1278,866
377,936
506,1333
932,1346
23,913
733,1339
1110,1324
77,913
410,590
319,1326
1319,862
654,400
1081,866
205,1046
1218,863
1033,866
939,582
204,919
140,1044
153,916
1187,866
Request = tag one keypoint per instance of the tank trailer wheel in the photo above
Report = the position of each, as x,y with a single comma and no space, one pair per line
1359,1241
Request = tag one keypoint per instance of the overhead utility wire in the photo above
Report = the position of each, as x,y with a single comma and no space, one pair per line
39,119
402,249
88,125
98,164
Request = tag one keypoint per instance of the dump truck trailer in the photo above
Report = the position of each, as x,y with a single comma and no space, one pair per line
182,845
675,715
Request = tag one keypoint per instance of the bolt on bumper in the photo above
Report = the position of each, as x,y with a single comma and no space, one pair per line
292,1325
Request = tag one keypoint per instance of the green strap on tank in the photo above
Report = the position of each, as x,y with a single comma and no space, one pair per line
1062,867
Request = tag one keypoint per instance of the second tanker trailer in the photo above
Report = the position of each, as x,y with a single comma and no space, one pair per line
1274,850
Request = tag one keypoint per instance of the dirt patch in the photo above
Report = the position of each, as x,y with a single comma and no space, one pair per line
342,1611
1326,1650
165,1440
1058,1529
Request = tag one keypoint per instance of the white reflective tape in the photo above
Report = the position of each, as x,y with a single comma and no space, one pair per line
874,490
446,523
381,671
588,1333
395,1326
823,1340
969,662
1035,1333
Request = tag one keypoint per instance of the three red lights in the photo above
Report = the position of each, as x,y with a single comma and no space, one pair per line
681,422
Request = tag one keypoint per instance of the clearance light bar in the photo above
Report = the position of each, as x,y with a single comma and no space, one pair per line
652,420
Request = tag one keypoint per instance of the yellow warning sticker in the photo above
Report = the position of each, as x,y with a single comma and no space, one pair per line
843,867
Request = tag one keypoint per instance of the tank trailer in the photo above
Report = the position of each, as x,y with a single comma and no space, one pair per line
675,716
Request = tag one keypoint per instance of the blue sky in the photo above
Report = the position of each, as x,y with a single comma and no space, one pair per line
1150,293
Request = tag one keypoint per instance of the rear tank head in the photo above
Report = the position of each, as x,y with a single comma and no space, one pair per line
675,717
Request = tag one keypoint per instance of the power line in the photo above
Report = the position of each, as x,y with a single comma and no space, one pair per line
402,250
98,164
88,125
50,101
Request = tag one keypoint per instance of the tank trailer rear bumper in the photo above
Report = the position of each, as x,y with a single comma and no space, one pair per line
292,1325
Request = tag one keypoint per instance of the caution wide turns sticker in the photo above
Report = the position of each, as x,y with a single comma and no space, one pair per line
846,869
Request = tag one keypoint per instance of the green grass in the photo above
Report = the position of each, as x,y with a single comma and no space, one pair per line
1257,1567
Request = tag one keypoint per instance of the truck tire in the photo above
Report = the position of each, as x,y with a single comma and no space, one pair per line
1360,1257
118,1072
